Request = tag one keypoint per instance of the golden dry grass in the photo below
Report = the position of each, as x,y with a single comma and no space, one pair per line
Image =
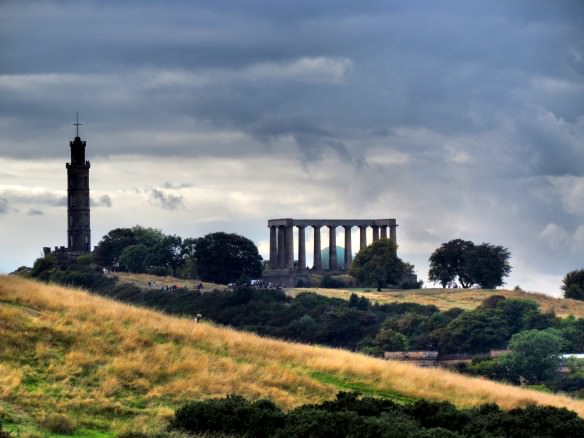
111,365
142,280
446,299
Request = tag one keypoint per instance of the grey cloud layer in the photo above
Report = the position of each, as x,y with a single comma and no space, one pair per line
445,109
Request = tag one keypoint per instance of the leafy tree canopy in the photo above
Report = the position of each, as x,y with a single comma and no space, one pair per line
573,285
378,265
447,263
224,258
535,355
133,258
483,265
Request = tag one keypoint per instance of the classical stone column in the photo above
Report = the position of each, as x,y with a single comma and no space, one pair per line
301,249
290,247
348,249
273,247
383,232
317,263
332,248
281,247
393,233
362,236
375,232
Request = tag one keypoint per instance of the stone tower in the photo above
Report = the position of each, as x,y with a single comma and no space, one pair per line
78,229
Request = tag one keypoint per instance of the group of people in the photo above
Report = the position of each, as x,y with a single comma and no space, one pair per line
172,287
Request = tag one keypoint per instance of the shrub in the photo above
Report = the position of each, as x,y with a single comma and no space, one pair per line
329,282
57,423
230,415
352,416
3,433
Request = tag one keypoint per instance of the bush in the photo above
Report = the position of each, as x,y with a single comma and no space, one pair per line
329,282
230,415
3,433
352,416
57,423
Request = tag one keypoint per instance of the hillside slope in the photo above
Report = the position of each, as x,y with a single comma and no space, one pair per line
445,299
113,367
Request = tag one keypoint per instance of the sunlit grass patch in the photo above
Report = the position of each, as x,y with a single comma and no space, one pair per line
445,299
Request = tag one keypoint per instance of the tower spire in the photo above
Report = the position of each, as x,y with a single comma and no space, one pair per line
77,124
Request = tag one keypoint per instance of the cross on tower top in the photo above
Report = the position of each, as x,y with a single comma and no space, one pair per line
77,124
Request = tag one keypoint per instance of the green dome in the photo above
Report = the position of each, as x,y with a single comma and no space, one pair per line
324,257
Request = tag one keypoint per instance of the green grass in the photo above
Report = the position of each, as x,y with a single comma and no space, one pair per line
346,384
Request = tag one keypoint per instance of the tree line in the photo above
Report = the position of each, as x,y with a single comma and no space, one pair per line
353,416
217,257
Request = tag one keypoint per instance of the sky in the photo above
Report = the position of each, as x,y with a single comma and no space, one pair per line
459,119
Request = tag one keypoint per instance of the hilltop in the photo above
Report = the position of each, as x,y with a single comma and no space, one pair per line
444,299
114,367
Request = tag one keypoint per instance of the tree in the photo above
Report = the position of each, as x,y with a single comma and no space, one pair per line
166,253
483,265
486,265
387,339
447,263
133,258
535,355
378,265
573,285
111,245
224,258
477,331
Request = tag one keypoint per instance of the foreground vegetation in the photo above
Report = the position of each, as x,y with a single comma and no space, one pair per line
108,367
351,416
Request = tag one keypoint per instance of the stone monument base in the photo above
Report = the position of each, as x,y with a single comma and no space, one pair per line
286,278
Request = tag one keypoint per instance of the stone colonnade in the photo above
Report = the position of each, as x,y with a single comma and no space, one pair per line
282,240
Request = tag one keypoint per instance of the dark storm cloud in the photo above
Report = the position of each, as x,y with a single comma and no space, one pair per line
450,67
167,201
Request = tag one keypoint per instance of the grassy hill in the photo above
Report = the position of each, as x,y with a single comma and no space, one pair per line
443,299
446,299
143,280
110,367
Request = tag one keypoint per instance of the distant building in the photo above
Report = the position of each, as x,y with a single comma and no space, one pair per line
336,259
78,207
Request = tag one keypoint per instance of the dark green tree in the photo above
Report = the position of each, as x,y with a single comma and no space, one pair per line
387,339
378,265
483,265
573,285
486,265
535,355
111,245
477,331
166,253
224,258
448,264
133,258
